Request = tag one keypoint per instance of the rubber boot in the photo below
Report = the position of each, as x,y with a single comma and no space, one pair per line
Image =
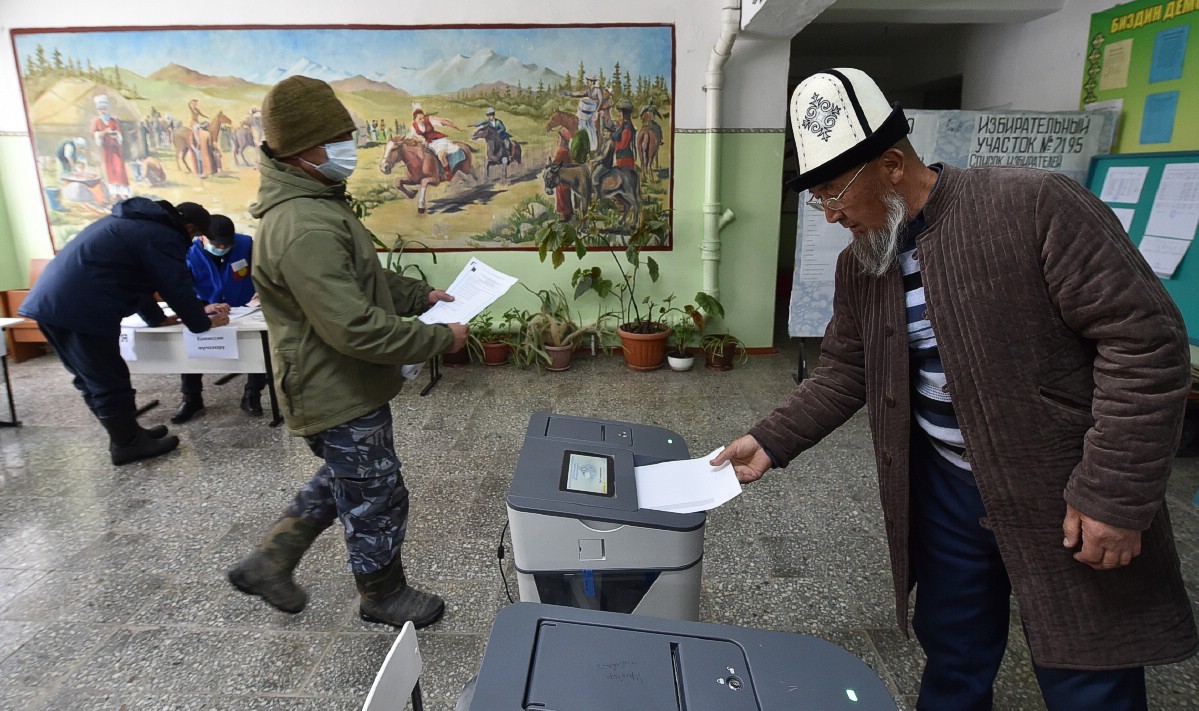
251,403
128,442
191,406
156,432
267,571
387,598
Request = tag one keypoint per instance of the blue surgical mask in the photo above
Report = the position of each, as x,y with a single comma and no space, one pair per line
342,159
217,251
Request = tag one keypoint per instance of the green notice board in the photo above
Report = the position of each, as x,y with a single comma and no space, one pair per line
1143,57
1162,210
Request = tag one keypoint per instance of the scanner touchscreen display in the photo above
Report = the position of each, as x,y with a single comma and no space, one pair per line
586,473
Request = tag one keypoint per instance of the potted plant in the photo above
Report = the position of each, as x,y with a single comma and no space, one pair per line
641,320
487,341
722,350
682,335
553,332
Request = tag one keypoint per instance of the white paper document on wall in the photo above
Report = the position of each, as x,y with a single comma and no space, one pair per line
1175,211
218,343
1163,254
475,288
686,486
1125,215
1123,184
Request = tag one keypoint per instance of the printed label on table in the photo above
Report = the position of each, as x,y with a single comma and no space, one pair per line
213,343
127,341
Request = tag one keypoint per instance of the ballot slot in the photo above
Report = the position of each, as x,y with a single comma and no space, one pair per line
587,667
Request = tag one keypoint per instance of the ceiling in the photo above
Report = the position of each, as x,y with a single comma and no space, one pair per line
783,19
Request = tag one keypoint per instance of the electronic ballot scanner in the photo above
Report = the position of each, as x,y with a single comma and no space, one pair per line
579,538
553,657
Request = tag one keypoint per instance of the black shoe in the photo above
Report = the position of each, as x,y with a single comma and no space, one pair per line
251,404
156,432
189,408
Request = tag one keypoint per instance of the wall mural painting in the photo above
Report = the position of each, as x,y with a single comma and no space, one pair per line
539,123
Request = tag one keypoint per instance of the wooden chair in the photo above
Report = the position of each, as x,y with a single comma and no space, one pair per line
399,676
25,340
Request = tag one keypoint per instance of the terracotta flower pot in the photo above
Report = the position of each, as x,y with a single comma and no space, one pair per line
644,351
560,357
496,353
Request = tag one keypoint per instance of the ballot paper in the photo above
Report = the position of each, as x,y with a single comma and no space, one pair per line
236,312
686,486
475,288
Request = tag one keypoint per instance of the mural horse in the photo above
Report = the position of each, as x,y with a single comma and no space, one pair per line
243,138
622,186
649,140
580,142
200,146
575,177
424,168
497,152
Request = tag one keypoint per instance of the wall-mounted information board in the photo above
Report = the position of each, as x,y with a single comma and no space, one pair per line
1156,197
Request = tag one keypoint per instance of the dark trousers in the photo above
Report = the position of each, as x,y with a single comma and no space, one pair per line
962,604
192,384
100,373
360,483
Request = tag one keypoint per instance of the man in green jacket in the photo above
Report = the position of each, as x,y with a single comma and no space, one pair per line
338,339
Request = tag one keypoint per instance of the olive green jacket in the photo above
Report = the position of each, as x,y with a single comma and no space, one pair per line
333,313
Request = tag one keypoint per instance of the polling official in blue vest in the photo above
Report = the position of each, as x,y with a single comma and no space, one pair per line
220,266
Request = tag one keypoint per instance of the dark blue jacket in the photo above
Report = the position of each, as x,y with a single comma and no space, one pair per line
222,284
111,270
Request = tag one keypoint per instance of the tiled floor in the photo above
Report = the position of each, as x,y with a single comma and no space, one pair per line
112,588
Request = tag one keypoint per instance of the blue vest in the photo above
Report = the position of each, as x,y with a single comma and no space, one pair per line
223,284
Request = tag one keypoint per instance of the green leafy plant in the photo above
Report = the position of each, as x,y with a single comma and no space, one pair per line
636,313
717,344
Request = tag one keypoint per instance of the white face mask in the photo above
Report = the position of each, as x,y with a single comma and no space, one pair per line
342,158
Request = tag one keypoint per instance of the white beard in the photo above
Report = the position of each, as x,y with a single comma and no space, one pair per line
877,250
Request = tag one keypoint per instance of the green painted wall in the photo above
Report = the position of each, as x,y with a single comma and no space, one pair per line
750,184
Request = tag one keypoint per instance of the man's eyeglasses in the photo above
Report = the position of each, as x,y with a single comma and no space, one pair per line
835,203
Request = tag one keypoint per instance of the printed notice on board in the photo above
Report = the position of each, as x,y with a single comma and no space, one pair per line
1175,211
1163,254
1116,58
1123,184
214,343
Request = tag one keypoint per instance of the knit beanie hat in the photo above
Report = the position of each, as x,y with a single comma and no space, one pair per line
841,120
299,113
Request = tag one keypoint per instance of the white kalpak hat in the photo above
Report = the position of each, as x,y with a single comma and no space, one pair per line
101,101
841,120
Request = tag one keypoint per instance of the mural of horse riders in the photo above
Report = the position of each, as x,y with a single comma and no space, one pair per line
649,140
506,114
423,165
501,149
615,176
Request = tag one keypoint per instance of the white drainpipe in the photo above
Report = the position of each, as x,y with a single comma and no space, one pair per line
714,219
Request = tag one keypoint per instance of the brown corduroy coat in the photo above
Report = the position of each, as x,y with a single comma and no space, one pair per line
1067,363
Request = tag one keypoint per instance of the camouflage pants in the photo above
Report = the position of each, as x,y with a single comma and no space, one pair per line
360,483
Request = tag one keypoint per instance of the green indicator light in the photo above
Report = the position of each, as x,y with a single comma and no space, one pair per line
853,696
669,441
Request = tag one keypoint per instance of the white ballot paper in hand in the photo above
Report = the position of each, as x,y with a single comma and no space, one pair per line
475,288
686,486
